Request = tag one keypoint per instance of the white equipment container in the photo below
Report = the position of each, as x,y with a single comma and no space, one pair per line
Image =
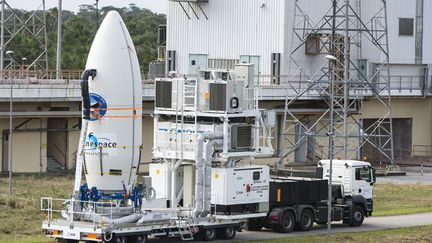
202,95
114,133
169,143
241,185
161,179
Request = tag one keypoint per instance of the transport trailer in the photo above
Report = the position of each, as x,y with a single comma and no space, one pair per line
297,203
151,223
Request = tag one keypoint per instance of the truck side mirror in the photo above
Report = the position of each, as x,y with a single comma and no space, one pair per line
373,175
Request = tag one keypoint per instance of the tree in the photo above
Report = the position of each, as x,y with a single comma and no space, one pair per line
79,30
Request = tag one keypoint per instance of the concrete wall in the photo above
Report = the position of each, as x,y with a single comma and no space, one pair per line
29,146
420,110
73,140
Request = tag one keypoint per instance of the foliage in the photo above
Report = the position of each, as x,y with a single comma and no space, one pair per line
79,30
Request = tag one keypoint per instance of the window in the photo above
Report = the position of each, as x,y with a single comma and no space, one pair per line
363,174
406,26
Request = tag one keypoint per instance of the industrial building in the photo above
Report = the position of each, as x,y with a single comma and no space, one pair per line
217,35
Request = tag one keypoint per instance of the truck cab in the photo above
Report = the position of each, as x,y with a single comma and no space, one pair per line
352,181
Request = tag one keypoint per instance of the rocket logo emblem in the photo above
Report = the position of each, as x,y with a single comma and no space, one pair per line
98,107
94,143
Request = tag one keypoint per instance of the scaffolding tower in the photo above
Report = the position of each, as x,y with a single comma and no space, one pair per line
329,80
15,26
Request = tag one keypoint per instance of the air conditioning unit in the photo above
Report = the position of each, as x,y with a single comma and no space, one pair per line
227,96
163,98
241,137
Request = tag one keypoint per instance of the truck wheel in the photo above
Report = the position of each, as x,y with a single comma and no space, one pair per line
306,221
357,216
287,223
209,234
227,233
256,224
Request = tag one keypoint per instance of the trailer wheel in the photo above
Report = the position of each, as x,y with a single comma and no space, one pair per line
209,234
137,239
227,233
357,216
306,220
119,239
287,223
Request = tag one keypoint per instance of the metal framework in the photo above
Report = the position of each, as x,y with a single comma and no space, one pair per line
30,25
327,71
194,6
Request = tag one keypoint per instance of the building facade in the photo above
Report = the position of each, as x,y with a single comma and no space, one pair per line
210,34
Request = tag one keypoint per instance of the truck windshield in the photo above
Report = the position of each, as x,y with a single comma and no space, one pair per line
363,174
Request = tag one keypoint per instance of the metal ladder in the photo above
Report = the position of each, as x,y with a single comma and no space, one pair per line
185,231
189,98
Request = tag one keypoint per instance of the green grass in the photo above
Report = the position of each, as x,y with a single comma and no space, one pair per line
390,199
20,215
21,218
414,234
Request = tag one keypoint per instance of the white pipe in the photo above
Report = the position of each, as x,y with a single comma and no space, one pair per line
225,142
200,171
105,220
207,175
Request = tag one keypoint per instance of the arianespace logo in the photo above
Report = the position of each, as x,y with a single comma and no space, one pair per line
94,143
98,107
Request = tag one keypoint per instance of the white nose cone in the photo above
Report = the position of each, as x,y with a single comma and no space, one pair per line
114,135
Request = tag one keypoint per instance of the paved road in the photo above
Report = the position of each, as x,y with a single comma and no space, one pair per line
370,224
410,178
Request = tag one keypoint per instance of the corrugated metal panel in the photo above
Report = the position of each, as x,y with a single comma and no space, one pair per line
402,48
427,32
234,28
247,27
222,63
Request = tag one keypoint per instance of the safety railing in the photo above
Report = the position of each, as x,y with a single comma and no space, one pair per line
400,82
56,206
422,153
23,76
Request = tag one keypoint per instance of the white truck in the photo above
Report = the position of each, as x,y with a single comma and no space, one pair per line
298,202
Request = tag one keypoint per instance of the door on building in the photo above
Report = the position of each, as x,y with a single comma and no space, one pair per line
57,144
197,62
5,151
255,60
402,140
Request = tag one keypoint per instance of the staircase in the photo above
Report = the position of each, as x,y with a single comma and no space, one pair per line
54,166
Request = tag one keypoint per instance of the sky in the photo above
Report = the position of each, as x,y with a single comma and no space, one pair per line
158,6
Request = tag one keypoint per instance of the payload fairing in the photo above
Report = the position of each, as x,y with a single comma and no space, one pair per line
113,139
